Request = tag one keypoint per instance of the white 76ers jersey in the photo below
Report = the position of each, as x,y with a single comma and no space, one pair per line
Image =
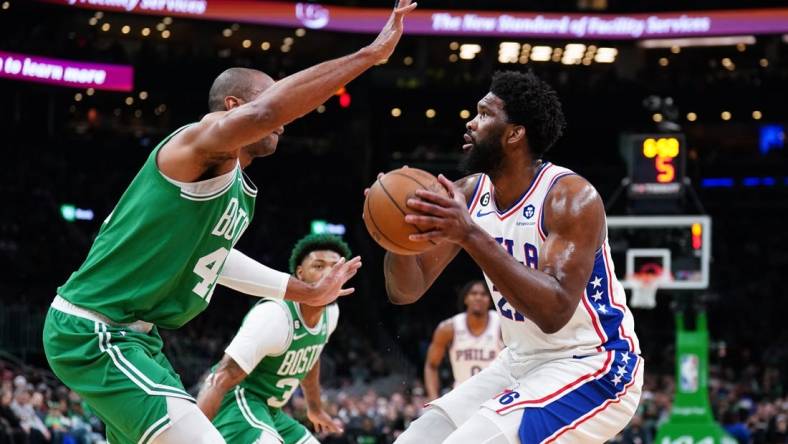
601,320
469,354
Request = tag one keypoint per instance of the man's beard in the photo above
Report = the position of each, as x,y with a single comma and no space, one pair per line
485,156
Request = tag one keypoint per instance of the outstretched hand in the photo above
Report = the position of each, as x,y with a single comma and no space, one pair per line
329,288
324,423
389,36
441,217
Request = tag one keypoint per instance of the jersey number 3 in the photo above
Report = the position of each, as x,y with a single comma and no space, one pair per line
289,384
207,268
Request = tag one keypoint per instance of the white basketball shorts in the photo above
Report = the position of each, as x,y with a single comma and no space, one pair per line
586,399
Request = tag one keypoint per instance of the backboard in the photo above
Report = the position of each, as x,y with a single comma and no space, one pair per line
673,251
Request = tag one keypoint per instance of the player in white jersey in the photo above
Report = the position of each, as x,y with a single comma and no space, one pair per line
571,371
473,339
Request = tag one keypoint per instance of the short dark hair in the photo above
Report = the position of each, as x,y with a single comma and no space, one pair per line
317,242
238,82
465,289
531,102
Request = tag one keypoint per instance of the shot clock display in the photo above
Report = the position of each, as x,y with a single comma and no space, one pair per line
656,164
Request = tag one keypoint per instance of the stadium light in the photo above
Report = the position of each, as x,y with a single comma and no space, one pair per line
468,51
508,52
606,55
541,53
573,53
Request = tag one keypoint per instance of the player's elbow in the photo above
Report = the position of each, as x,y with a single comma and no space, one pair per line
550,326
399,297
225,381
556,319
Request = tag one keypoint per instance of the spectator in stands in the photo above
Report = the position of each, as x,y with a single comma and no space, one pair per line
29,420
733,423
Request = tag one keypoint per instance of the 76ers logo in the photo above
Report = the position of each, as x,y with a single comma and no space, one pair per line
508,397
528,211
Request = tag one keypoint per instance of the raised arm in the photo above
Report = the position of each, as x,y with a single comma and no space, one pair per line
548,296
441,339
293,96
409,277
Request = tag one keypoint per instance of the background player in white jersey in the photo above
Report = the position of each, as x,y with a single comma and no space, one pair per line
571,371
473,339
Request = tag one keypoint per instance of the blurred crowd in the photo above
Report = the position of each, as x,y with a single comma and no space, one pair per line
751,404
35,410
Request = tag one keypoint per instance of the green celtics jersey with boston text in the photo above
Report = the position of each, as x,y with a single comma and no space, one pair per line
276,377
159,253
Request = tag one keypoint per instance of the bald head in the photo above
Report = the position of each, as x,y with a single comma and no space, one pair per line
243,83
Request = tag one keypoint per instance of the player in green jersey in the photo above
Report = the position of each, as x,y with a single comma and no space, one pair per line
277,349
169,241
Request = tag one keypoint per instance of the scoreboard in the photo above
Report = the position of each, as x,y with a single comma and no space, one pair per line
656,164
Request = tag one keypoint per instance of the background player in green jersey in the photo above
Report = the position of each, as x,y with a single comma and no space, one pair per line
277,349
170,239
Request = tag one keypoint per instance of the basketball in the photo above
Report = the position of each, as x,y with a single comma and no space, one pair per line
385,209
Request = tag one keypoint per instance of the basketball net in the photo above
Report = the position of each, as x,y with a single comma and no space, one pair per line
644,289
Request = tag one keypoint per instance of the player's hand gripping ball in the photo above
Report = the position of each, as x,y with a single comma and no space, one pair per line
385,209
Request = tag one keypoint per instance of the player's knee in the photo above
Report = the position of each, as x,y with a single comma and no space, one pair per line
477,429
432,426
189,425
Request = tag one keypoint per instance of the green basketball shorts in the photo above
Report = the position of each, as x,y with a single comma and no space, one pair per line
243,418
121,373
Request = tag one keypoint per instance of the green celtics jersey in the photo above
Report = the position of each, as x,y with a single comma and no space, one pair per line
276,377
159,253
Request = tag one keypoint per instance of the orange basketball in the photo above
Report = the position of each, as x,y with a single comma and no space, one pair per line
385,209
